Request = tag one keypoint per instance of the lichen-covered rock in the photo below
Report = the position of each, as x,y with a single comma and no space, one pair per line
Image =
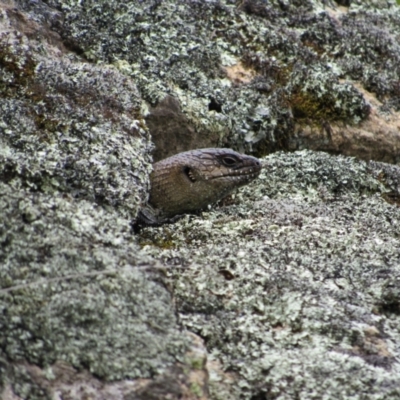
296,288
172,131
301,64
68,126
75,290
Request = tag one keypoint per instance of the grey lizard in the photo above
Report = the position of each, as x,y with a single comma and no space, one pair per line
188,182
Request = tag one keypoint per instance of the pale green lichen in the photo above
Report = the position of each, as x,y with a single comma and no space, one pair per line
300,54
116,324
295,288
74,164
71,127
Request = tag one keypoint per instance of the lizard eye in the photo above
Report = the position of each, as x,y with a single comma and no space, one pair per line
229,161
189,173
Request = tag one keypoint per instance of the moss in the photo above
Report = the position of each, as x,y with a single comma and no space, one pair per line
196,390
46,125
313,108
317,95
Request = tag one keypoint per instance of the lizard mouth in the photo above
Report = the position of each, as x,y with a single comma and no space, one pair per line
242,174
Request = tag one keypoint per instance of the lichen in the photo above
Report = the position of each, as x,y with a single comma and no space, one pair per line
295,288
74,163
116,324
306,56
62,122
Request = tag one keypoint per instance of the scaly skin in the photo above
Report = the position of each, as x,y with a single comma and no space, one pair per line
190,181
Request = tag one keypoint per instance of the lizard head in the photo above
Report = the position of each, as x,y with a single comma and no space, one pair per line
221,168
192,180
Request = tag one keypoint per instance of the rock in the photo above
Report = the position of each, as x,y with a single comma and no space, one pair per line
74,163
293,286
295,289
171,131
255,76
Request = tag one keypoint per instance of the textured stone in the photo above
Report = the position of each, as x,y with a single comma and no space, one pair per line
293,284
295,288
250,75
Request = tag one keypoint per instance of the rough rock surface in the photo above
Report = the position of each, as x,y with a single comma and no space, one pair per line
76,290
68,126
76,293
295,289
252,75
306,305
172,130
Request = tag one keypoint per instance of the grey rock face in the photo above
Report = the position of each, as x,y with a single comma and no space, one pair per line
246,75
295,289
294,285
74,163
71,127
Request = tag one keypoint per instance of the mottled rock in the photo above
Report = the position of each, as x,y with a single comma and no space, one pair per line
68,126
303,66
295,288
172,132
74,163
